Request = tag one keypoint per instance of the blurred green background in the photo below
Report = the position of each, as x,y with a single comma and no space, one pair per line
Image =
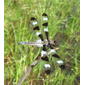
64,27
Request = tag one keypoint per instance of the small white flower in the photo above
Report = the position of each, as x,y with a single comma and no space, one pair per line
47,66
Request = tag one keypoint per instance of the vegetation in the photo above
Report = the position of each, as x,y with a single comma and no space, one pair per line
64,27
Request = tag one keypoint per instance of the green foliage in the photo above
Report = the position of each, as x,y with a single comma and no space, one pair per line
64,26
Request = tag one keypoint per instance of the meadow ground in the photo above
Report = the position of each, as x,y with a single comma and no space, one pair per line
64,27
